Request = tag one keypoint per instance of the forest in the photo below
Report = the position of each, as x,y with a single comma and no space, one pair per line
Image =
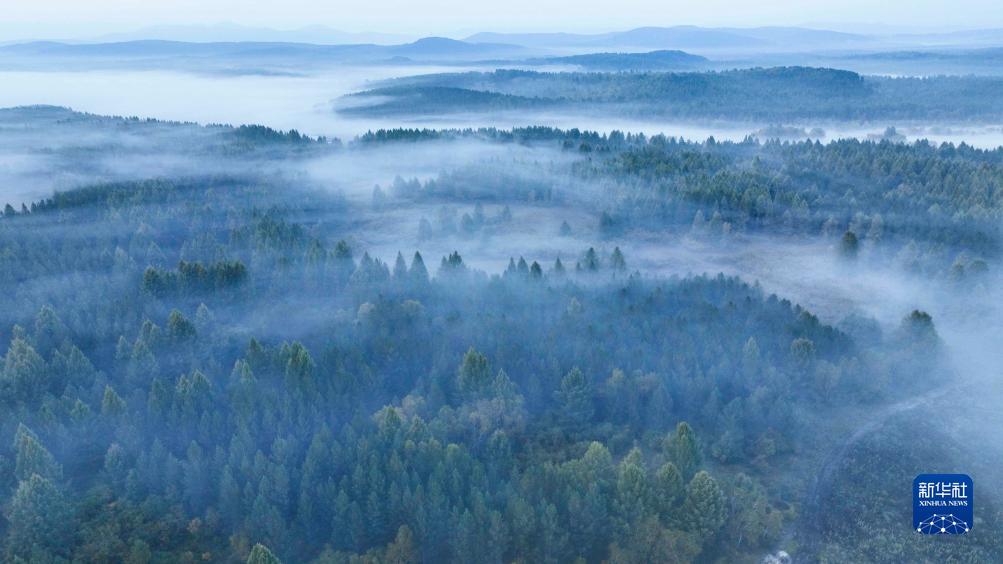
237,363
936,208
774,94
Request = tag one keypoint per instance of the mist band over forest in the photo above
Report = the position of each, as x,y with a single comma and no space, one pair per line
680,294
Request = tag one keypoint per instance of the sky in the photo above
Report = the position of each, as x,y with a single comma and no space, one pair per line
454,18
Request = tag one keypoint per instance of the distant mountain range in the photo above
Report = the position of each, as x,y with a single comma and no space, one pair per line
682,37
229,32
733,40
427,49
653,60
968,38
647,48
292,56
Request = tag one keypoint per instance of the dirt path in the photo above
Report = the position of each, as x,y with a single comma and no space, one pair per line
975,358
805,530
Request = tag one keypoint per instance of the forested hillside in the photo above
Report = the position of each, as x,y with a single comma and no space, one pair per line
429,415
219,367
932,208
757,94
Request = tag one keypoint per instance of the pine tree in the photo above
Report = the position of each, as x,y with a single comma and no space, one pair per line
575,396
400,268
142,365
178,326
116,466
403,550
918,326
669,489
261,555
112,405
849,246
33,458
705,506
72,368
558,267
49,331
474,375
379,197
699,223
802,352
683,449
452,264
40,520
617,262
203,317
265,521
299,369
80,413
418,273
607,225
24,371
633,497
553,546
344,264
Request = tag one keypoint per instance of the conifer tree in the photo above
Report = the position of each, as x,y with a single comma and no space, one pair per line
418,273
40,521
683,450
705,506
261,555
575,396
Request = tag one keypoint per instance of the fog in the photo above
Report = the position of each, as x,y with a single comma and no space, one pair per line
308,102
302,102
213,322
810,271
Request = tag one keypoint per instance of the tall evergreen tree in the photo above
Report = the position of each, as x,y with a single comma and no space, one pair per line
24,371
33,458
474,374
576,399
400,268
40,522
260,554
418,272
705,507
683,450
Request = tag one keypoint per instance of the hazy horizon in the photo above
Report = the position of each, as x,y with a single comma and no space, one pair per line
665,283
67,20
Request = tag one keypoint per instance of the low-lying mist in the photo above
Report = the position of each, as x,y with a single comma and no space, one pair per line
260,329
308,104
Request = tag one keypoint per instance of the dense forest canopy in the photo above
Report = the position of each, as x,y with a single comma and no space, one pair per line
227,362
757,94
934,207
663,59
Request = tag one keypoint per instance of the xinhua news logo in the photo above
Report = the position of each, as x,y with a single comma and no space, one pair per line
942,504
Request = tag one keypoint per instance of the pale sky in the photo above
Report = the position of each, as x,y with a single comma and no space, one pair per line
457,17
